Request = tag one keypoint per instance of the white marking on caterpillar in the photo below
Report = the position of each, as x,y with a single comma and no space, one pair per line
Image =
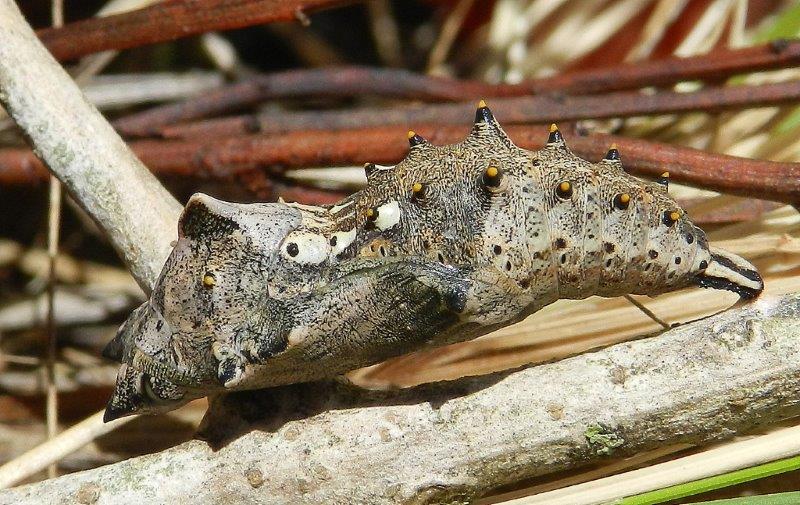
388,215
738,261
305,248
717,268
338,208
718,271
297,335
310,208
343,241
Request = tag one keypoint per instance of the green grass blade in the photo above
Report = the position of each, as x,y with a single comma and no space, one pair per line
713,483
787,25
792,498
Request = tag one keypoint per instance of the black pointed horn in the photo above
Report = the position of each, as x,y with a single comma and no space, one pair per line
612,154
414,139
126,399
663,180
483,114
555,135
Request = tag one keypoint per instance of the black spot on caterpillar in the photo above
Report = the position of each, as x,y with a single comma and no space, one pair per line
451,243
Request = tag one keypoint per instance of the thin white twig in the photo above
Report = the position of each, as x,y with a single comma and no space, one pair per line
385,32
124,90
54,222
53,450
774,446
20,360
135,211
221,52
447,36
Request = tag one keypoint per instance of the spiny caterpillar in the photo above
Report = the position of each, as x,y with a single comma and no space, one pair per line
451,243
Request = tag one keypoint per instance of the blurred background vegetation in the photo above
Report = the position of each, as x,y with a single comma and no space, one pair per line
496,41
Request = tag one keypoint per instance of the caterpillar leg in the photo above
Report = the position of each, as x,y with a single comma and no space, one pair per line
731,272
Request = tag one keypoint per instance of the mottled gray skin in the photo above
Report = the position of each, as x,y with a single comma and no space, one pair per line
267,294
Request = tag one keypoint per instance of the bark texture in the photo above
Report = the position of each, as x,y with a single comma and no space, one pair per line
453,441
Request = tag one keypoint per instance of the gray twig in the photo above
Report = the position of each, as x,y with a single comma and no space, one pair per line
79,146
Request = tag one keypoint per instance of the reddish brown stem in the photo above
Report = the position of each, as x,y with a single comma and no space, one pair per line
312,196
716,65
326,82
174,19
356,81
529,109
169,21
766,180
221,158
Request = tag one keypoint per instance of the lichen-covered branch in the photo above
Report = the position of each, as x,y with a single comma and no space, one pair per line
329,443
79,146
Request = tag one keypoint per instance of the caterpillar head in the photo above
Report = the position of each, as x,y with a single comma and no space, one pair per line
212,281
141,389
